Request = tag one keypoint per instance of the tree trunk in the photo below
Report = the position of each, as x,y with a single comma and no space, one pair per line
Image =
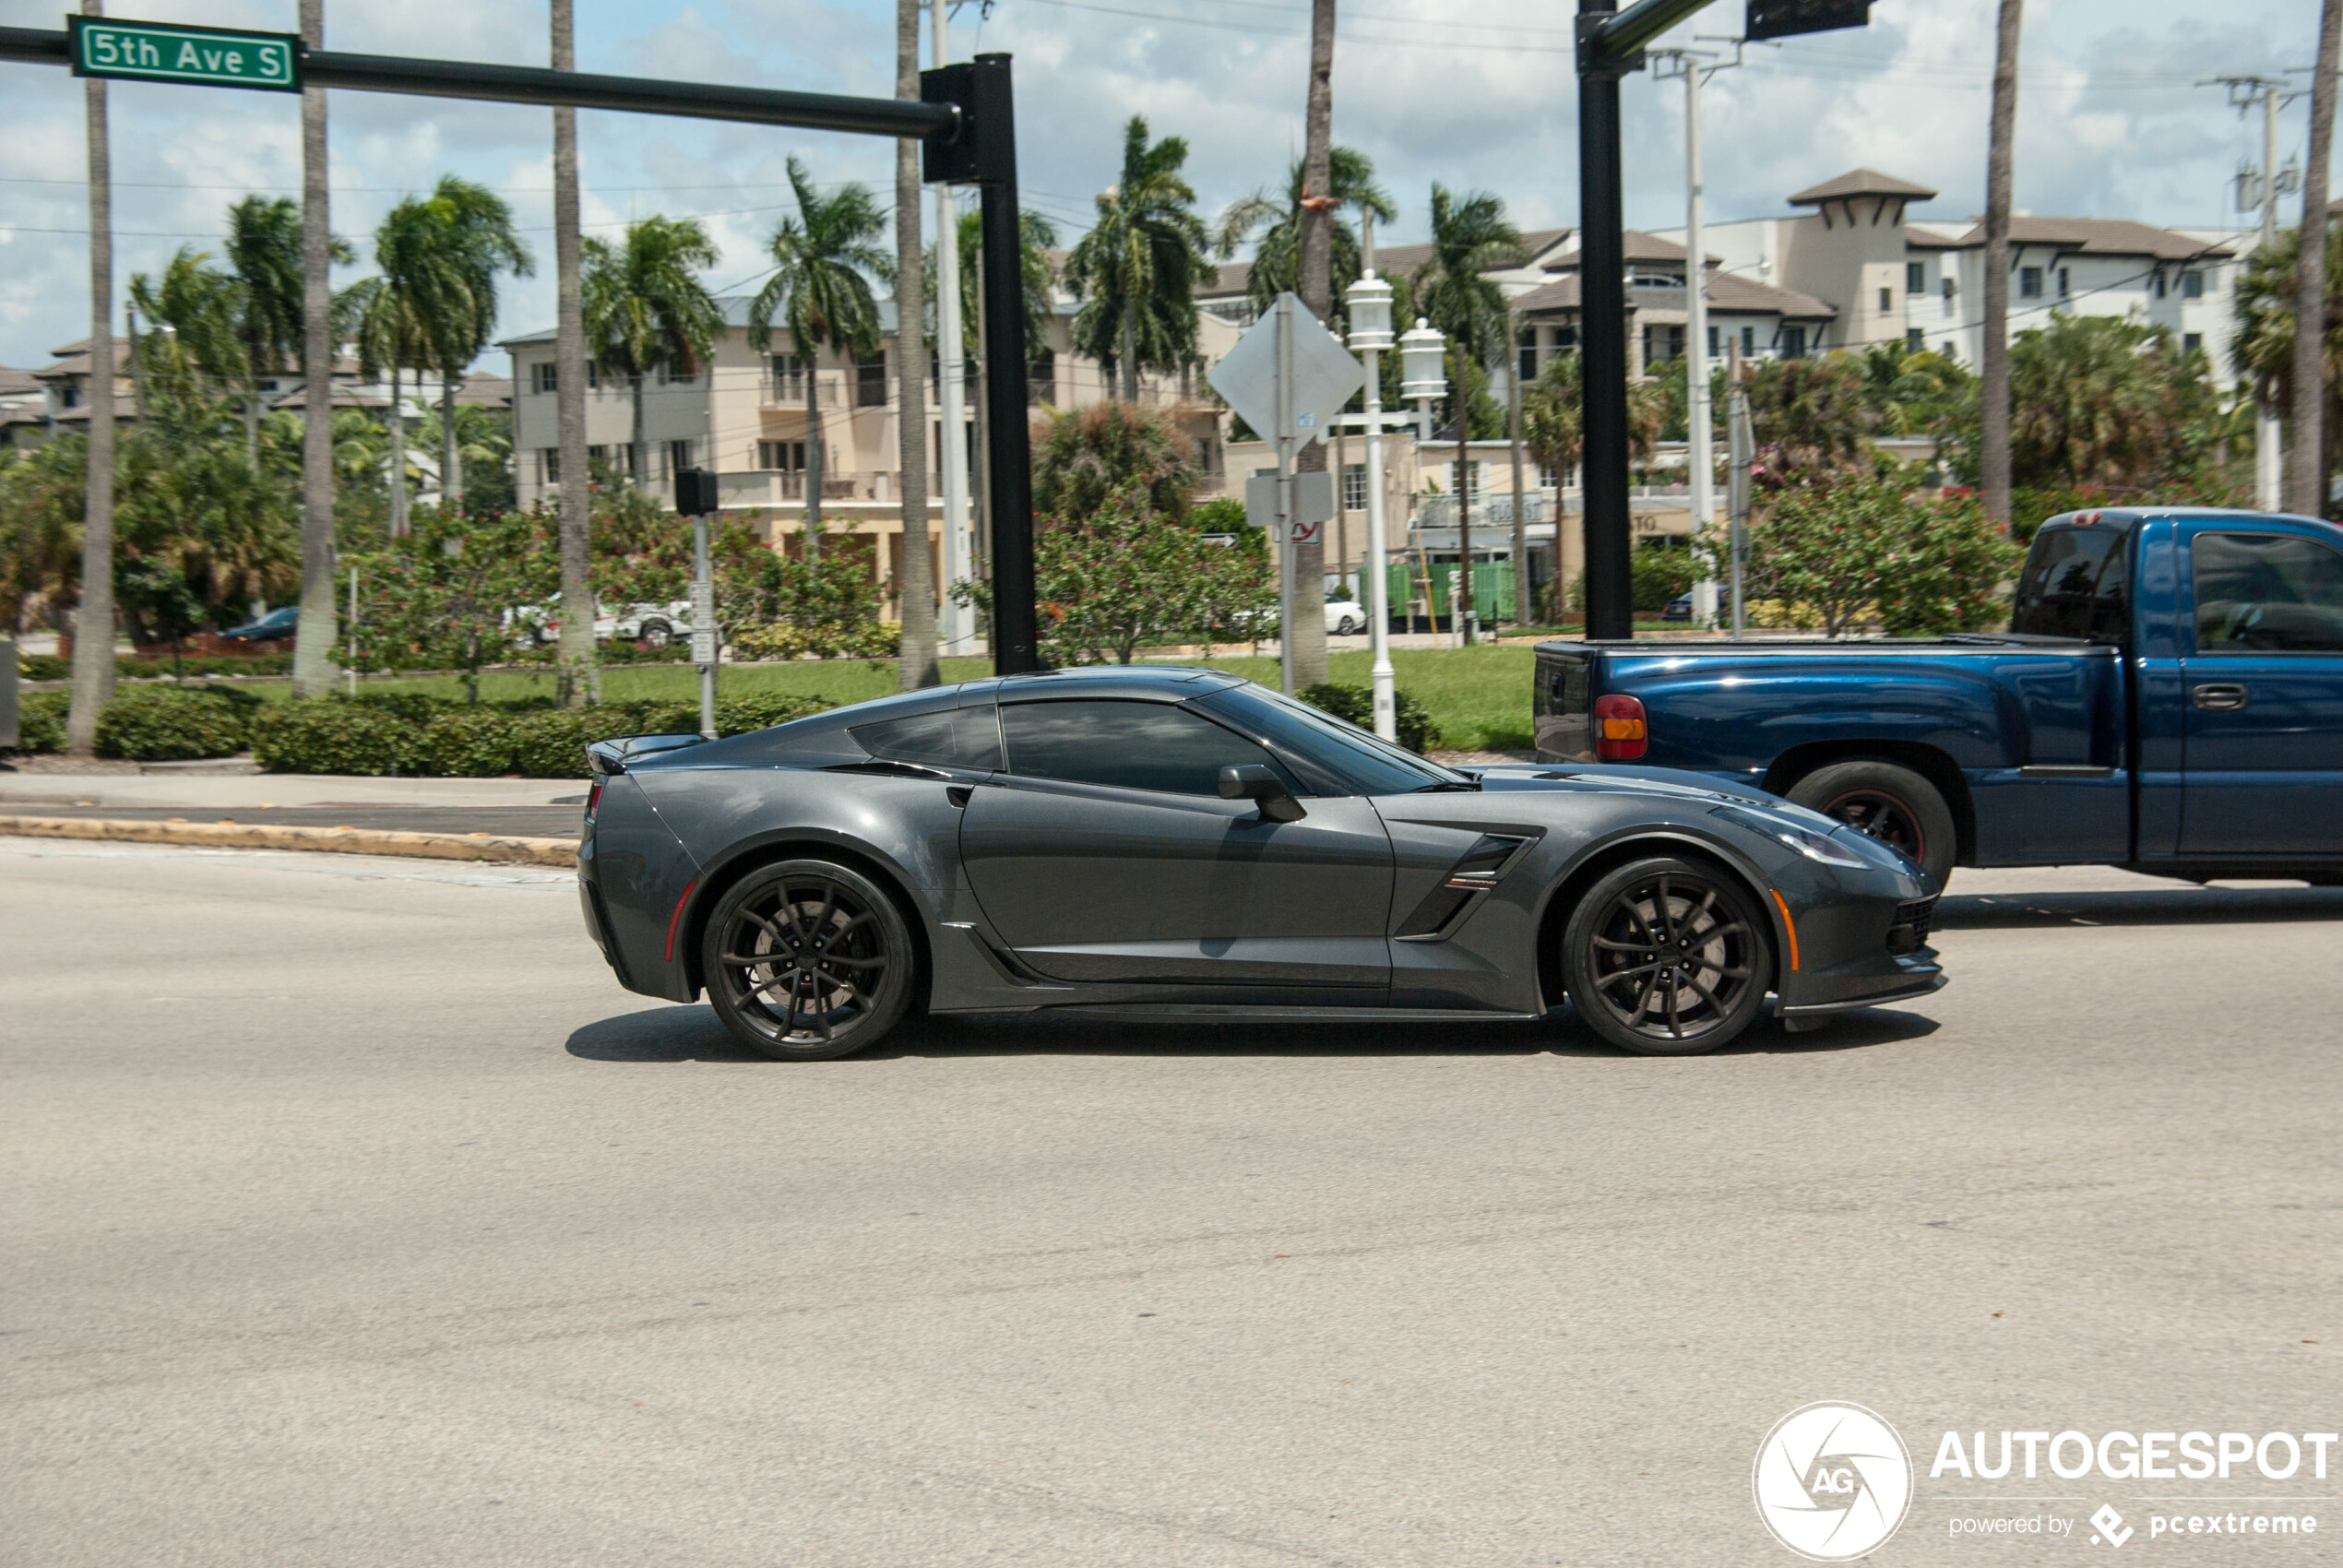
812,454
1130,366
451,460
137,364
2306,460
93,621
1521,613
578,681
398,527
1993,383
313,639
637,459
915,663
1464,501
252,404
1316,279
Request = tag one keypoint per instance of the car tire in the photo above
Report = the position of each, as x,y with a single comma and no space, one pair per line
808,959
654,635
1689,924
1891,804
1346,627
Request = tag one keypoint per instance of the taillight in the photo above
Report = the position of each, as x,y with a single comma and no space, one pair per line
594,795
1620,733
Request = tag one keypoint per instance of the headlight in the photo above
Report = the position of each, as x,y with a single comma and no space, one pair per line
1813,846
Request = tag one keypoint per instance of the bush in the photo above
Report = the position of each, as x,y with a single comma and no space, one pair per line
1356,704
410,734
43,667
175,723
785,639
1658,574
40,721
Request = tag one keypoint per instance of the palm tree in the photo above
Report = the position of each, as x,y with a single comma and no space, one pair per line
1453,291
390,336
313,642
1138,268
93,620
646,310
2307,465
824,259
1274,227
196,343
264,255
1036,235
476,235
577,681
916,664
1993,383
2094,400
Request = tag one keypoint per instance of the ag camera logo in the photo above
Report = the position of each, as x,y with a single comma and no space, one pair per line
1832,1481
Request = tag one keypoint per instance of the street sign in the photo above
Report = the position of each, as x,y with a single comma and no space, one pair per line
703,623
158,52
1781,18
1313,505
1325,375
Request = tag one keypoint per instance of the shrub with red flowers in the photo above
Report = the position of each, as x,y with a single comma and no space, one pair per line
1845,551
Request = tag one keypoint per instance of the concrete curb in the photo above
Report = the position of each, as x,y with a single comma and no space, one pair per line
331,840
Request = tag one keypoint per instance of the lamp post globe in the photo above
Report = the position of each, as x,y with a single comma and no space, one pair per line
1368,302
1423,362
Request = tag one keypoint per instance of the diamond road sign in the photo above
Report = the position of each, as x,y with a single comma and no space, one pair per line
1325,375
158,51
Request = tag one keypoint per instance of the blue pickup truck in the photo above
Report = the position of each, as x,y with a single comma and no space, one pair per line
2168,698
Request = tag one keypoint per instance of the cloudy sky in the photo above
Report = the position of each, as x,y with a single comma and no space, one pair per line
1475,94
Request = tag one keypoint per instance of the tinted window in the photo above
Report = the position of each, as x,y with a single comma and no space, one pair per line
1133,745
2261,592
957,737
2075,584
1339,758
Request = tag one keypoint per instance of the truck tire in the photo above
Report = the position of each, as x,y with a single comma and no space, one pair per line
1891,804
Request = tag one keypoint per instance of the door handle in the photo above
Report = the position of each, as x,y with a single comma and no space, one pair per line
2218,696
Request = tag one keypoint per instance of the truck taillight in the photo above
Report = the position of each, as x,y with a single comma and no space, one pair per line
1620,733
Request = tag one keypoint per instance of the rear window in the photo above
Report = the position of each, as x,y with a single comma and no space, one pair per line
957,737
2077,584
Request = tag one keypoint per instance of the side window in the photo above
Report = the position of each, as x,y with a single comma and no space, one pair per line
2074,584
2266,592
1131,745
957,737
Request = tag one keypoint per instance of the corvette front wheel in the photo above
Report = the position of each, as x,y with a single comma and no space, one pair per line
1667,958
807,960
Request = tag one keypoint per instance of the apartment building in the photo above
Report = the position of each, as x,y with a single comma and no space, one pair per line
1886,275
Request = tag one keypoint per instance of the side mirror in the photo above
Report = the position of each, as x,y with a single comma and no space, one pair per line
1256,781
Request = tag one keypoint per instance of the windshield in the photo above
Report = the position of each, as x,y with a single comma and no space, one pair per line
1361,759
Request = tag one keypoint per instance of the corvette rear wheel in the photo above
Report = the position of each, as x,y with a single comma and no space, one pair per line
807,960
1667,958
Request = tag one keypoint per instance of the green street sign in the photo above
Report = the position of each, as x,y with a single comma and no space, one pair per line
158,52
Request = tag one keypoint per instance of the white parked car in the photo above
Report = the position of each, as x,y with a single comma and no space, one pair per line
645,626
1345,617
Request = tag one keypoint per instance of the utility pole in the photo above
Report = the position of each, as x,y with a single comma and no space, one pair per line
958,630
1693,65
2269,95
1520,494
2307,478
1741,449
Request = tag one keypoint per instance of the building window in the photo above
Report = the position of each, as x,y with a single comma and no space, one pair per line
1528,356
676,375
1749,339
618,459
68,396
1915,278
1042,378
870,382
2192,284
2192,342
1713,350
593,376
788,383
1886,301
1793,342
544,376
1948,291
788,457
2030,283
2063,289
1914,340
549,465
1565,340
679,457
2156,284
1354,487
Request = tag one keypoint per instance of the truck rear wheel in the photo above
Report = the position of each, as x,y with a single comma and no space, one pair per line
1890,803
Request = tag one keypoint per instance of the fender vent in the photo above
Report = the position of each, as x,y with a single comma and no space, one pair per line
1477,870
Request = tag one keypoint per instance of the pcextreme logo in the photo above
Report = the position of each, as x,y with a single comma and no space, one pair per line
1832,1481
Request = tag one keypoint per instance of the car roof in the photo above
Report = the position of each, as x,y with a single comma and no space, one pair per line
1146,682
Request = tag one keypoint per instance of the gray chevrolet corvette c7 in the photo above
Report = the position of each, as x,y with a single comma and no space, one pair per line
1175,843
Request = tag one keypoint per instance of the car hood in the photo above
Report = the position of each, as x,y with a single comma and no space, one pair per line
1666,783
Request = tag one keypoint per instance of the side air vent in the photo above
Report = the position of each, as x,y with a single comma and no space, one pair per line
1476,871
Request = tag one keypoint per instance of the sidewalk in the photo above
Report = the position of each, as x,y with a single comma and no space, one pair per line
279,789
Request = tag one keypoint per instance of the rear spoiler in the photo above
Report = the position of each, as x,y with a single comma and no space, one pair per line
610,757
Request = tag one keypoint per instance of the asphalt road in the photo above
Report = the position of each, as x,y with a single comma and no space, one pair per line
353,1215
529,822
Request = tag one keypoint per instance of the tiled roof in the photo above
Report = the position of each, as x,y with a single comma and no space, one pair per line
2098,236
1727,291
1635,245
1860,183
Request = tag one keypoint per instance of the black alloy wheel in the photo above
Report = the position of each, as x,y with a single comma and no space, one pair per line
808,959
1890,803
1668,957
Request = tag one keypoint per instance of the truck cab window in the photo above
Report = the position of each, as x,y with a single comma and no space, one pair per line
2077,584
2266,592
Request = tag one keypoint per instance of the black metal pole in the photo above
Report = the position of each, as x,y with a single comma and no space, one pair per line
1602,348
1009,454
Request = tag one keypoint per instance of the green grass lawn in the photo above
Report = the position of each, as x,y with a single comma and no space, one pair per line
1480,697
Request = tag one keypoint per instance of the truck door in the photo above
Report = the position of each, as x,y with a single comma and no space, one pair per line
2264,684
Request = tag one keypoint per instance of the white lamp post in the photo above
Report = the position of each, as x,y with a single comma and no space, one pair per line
1369,304
1423,375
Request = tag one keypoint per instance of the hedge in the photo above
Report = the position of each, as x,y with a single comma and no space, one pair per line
40,721
175,723
130,667
1356,704
410,735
